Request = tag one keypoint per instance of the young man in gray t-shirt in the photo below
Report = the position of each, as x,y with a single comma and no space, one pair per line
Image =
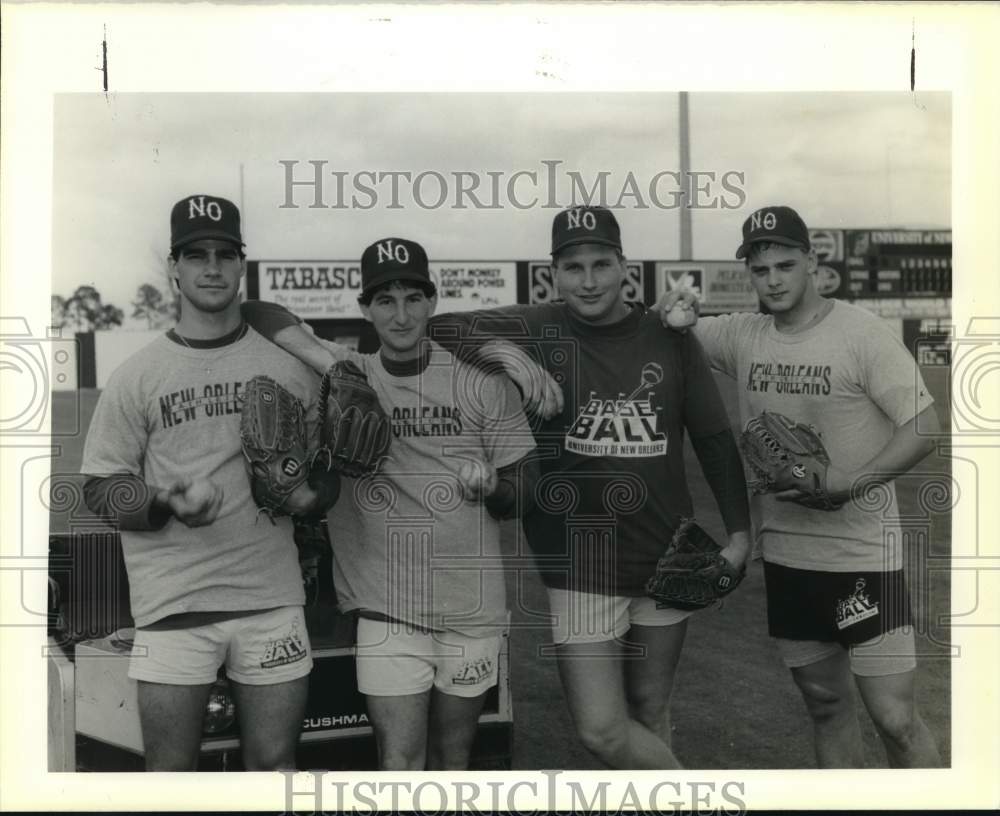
209,584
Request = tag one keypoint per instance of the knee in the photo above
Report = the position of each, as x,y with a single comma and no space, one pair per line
271,758
824,701
394,758
602,737
652,713
898,726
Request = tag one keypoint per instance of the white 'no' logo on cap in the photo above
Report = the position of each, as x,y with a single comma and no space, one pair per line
575,217
769,220
198,209
388,251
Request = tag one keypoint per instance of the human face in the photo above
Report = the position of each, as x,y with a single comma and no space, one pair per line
399,315
785,278
589,278
208,274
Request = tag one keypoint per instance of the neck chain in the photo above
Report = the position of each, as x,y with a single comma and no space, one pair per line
229,340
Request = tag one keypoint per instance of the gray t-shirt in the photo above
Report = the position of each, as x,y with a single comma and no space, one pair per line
851,378
170,411
405,543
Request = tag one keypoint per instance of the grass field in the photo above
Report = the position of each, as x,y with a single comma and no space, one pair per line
734,703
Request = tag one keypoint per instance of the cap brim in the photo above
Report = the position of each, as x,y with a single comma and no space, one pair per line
585,239
389,277
206,235
773,239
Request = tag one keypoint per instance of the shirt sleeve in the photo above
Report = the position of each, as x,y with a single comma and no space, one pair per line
704,411
462,333
721,337
890,375
267,318
505,433
124,500
118,432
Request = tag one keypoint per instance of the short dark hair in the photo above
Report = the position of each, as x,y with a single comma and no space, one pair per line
175,252
763,246
555,258
428,288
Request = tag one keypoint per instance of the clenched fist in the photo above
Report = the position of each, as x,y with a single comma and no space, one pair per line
477,480
194,502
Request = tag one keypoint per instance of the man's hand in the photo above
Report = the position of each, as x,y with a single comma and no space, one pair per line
194,502
477,480
541,393
839,484
737,551
678,309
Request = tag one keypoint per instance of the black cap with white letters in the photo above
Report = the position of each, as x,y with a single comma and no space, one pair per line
779,225
585,225
200,217
392,259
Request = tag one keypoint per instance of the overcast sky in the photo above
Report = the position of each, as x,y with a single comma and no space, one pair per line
842,159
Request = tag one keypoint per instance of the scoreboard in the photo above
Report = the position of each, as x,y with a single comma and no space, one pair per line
898,263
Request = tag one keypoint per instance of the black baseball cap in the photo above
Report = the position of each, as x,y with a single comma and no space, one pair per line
393,259
779,225
585,225
201,216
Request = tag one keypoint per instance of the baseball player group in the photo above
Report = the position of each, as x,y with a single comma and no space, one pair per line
209,444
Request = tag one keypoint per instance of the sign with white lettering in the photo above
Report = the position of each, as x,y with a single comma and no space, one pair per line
721,286
328,290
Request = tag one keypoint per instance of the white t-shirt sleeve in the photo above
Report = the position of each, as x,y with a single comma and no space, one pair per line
721,337
890,375
118,433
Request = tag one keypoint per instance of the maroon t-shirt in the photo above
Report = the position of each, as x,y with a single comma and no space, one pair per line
613,481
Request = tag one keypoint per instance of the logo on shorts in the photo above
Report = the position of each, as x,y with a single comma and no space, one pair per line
284,650
856,607
473,672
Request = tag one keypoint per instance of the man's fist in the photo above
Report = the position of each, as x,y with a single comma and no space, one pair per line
477,480
195,502
678,309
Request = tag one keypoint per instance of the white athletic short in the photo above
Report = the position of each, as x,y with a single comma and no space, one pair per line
258,649
889,653
394,659
586,617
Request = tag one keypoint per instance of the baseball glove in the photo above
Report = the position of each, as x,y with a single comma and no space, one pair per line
278,462
692,574
356,430
786,455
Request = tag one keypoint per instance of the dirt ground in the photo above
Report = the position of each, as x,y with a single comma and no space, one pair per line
734,704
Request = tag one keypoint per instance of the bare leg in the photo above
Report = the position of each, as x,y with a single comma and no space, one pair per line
593,678
171,717
827,690
890,702
650,679
453,724
400,723
270,721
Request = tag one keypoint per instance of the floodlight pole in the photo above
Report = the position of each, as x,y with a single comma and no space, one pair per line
685,170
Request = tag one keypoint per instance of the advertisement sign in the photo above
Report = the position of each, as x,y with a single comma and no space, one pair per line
721,286
328,290
542,285
313,290
466,285
828,243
